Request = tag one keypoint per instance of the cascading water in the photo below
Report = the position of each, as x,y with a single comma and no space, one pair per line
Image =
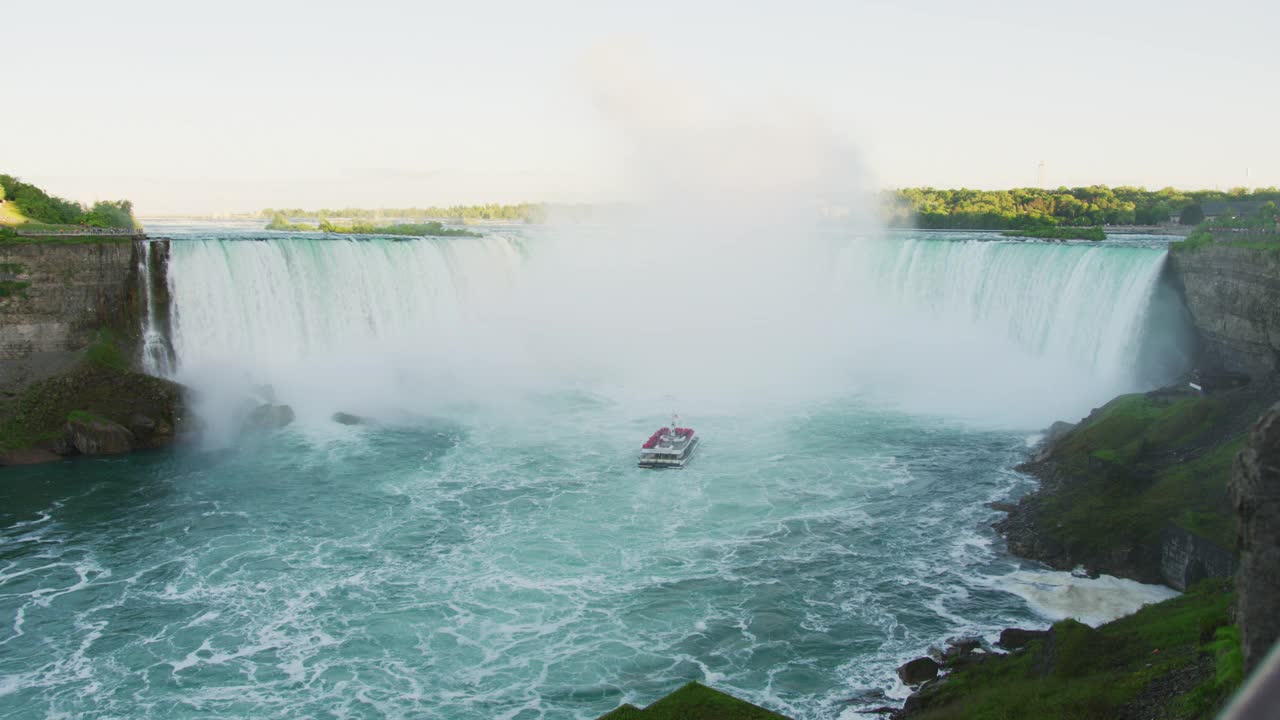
1041,327
1019,333
156,351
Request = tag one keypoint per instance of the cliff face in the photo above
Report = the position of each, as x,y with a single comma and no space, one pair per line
72,318
1233,295
55,297
1255,492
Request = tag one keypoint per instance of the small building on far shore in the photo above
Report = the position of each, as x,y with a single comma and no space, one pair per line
1231,208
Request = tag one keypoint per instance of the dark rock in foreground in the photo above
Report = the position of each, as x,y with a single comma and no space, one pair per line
695,702
922,669
1015,638
1255,493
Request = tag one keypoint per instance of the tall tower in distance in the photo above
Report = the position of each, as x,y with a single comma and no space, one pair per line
1040,174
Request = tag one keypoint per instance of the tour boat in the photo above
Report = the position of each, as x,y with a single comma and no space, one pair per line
669,447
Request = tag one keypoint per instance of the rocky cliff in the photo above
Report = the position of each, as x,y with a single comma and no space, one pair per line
72,318
1232,290
1255,493
59,294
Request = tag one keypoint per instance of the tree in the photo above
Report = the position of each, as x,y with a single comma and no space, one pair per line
1192,214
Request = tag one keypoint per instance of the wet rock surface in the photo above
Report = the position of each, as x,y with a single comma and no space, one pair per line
99,436
918,671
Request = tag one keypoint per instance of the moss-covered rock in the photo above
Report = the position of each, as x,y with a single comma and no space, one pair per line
695,702
1114,486
87,394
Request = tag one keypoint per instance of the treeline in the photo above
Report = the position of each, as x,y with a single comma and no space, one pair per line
428,229
525,212
1020,208
38,206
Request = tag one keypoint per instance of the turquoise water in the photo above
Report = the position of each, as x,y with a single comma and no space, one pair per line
477,559
480,569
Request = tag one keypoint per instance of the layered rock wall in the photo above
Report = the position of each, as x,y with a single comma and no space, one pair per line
1233,295
55,297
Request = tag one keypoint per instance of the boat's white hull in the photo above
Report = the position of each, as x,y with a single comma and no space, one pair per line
656,460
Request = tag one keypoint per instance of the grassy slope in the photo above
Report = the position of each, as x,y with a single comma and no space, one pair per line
9,214
1137,465
1164,657
695,702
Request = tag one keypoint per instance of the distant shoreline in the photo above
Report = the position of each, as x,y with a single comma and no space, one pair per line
1178,230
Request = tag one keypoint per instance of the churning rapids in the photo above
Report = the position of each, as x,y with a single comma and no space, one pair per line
484,547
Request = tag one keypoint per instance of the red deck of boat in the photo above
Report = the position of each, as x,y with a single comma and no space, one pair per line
655,438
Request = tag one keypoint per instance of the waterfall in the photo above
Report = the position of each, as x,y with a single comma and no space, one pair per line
157,353
1082,303
1025,332
1013,319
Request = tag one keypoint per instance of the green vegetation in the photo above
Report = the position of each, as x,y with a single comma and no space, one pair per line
932,208
695,702
1137,465
280,222
1059,233
1197,240
1147,659
33,205
85,416
526,212
12,288
105,351
1257,231
430,229
72,236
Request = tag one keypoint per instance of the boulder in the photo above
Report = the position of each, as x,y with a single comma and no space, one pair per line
141,426
92,435
1014,638
1052,435
917,671
268,416
961,647
343,418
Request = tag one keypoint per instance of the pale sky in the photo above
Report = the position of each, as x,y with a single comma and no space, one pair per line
235,106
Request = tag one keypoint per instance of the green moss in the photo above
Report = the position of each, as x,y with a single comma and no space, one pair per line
105,351
13,288
12,268
695,702
1080,672
85,416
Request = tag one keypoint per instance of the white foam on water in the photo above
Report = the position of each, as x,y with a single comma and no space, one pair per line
1093,601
